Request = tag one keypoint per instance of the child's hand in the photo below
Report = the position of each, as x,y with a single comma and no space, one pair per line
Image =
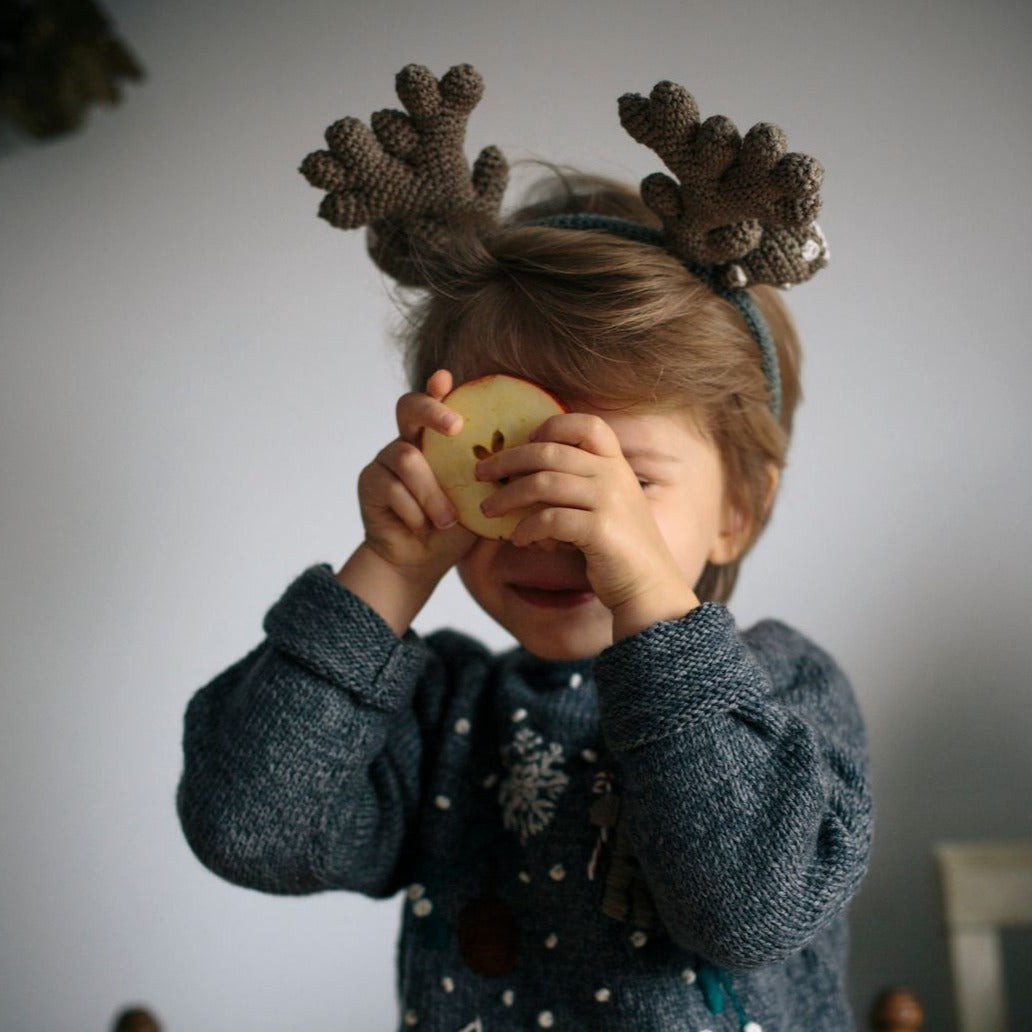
411,535
592,500
408,519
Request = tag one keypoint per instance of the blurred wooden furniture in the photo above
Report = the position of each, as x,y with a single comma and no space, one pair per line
896,1010
136,1019
985,887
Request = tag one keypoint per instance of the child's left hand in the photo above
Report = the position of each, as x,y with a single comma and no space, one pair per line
593,501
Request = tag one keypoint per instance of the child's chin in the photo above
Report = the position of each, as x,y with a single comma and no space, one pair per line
561,650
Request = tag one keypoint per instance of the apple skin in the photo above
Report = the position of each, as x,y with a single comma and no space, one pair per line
498,411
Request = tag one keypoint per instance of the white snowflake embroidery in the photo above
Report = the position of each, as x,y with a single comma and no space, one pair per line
535,781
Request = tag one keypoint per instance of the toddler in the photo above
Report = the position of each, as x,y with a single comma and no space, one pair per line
641,817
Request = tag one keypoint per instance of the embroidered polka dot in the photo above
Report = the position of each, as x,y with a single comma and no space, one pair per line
416,891
462,726
576,680
448,984
422,907
546,1019
638,939
589,755
518,715
752,1027
508,997
557,873
603,995
524,877
411,1019
442,802
552,941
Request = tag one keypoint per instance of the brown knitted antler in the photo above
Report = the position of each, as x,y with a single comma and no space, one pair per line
408,179
743,207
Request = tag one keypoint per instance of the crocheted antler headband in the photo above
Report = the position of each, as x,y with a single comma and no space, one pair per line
741,211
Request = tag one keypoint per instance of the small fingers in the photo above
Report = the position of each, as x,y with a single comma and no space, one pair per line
381,490
418,411
440,384
412,479
569,526
530,461
547,488
579,430
568,443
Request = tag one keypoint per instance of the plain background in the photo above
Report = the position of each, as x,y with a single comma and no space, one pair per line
193,368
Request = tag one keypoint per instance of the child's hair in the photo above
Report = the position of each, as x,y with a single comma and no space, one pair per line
600,302
593,315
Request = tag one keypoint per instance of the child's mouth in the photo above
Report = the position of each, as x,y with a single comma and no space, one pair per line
552,597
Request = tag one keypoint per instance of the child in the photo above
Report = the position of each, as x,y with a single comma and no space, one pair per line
642,817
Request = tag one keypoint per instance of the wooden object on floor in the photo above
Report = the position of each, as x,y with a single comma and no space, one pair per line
986,887
897,1010
136,1019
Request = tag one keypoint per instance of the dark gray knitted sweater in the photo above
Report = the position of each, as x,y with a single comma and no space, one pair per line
664,839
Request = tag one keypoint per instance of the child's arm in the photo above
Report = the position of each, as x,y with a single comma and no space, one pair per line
743,771
744,782
302,761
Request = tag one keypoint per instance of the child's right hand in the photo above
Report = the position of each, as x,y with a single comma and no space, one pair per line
408,519
412,537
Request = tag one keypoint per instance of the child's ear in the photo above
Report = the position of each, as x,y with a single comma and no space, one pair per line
739,526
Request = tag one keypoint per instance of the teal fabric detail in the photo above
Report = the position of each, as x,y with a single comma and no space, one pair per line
740,298
718,990
712,987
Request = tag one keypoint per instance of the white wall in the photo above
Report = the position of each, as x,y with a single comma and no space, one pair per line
193,370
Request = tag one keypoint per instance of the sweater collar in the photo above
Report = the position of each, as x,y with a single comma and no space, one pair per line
553,673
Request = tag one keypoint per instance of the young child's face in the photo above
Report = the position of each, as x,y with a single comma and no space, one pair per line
541,595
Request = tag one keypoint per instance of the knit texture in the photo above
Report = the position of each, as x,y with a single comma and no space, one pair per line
664,839
406,175
744,207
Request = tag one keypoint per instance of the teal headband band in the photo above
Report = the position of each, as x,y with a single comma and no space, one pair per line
740,298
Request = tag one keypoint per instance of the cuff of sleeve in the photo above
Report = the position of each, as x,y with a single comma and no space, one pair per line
672,675
335,635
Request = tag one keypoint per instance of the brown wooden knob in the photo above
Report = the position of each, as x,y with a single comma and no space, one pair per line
136,1019
897,1010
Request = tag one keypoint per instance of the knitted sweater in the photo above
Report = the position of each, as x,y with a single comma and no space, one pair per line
662,839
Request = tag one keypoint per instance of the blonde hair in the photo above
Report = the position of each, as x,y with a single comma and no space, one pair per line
594,316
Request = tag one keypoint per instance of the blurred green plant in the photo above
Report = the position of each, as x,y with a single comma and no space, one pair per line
57,58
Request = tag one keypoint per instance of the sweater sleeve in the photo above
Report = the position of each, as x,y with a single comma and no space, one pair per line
744,780
301,761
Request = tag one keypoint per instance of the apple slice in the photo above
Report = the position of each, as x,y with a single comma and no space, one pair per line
498,411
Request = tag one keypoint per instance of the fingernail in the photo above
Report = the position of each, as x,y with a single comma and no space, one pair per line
487,506
451,421
445,517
